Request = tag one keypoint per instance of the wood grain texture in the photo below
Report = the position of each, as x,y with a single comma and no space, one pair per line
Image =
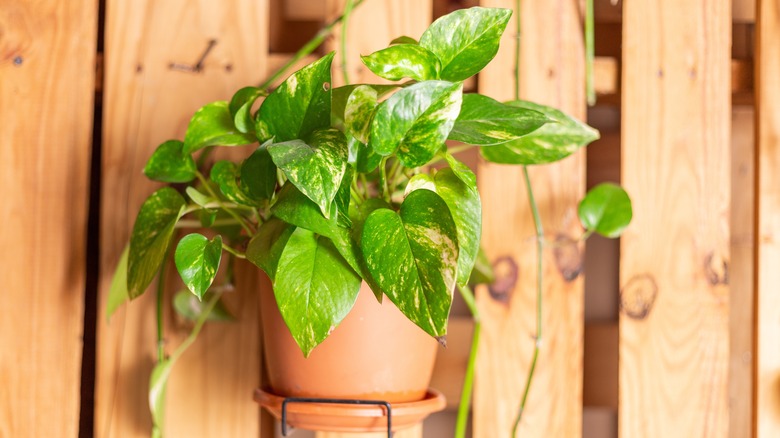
741,281
674,348
47,71
412,432
371,27
767,329
552,73
147,102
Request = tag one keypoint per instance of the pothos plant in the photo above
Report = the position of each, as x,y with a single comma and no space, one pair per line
339,187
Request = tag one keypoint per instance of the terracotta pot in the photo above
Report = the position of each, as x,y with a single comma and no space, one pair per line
375,353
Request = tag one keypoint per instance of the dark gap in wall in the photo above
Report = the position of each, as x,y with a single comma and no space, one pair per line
88,354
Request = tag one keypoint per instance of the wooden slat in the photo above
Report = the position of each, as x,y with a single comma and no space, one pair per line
674,347
553,74
767,400
412,432
147,102
47,66
741,279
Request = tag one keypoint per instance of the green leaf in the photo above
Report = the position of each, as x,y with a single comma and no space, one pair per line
295,208
158,385
299,106
606,209
340,95
168,163
343,198
226,175
241,108
207,216
465,40
316,170
416,121
552,142
359,111
266,247
315,288
190,307
365,159
258,175
403,61
413,257
487,122
466,209
213,125
197,260
150,238
403,40
198,197
117,293
461,170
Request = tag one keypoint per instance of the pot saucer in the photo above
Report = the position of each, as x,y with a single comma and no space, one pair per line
351,417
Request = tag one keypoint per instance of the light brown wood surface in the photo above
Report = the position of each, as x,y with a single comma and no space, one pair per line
46,104
147,102
674,348
552,73
767,329
412,432
741,281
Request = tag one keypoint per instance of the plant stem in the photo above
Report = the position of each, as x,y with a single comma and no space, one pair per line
468,381
222,206
383,179
193,223
233,251
309,47
344,24
539,288
589,53
518,28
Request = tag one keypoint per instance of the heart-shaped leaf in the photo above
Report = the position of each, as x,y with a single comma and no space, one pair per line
299,106
606,209
258,174
117,293
152,233
197,196
359,111
552,142
403,40
190,307
315,288
485,122
226,175
170,164
413,257
465,40
213,125
340,95
266,247
403,61
316,170
416,121
241,108
197,260
461,170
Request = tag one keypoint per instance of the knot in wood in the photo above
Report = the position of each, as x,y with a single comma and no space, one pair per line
638,296
505,269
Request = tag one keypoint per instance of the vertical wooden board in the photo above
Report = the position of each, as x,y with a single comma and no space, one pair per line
741,282
147,102
552,73
674,322
47,71
767,379
371,27
412,432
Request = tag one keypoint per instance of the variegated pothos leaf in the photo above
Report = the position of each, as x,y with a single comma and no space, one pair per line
413,256
403,61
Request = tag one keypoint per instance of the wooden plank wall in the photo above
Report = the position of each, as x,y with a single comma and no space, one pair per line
674,346
553,74
147,102
46,103
767,396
